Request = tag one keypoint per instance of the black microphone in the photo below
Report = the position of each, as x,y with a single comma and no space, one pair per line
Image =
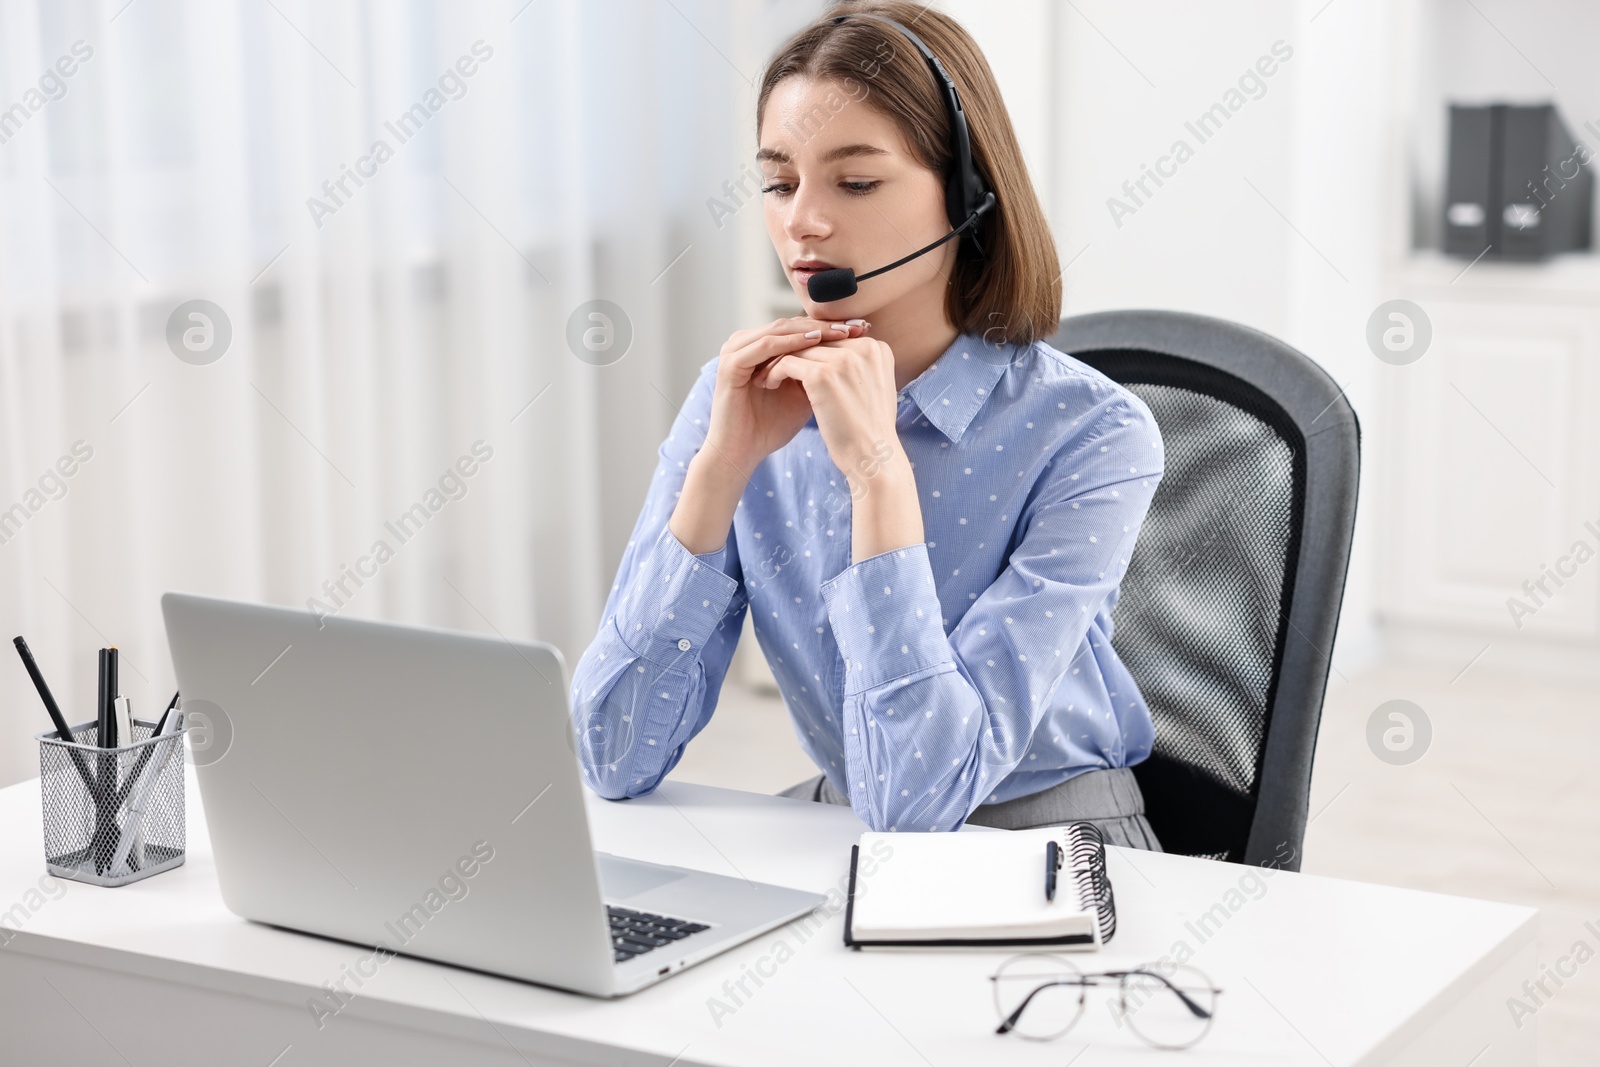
840,282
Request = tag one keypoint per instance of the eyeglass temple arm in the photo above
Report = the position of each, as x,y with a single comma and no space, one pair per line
1010,1021
1196,1009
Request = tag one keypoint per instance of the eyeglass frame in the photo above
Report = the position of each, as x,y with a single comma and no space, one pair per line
1086,979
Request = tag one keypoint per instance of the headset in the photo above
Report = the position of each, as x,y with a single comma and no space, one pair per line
967,196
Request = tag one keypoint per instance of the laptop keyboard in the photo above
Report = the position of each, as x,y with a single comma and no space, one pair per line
634,933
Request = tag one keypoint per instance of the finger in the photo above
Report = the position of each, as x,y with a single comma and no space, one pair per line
828,329
845,348
740,338
769,346
742,363
797,324
794,367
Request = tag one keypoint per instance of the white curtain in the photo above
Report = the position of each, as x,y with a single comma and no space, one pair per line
383,331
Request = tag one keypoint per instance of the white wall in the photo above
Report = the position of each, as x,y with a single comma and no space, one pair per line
1278,219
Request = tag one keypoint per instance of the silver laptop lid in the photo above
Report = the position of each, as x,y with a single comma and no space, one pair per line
393,786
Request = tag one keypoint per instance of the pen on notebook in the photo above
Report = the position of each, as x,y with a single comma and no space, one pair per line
1052,863
59,721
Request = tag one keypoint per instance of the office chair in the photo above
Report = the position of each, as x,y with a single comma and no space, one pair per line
1227,613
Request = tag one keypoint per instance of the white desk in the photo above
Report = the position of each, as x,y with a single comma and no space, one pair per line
1315,970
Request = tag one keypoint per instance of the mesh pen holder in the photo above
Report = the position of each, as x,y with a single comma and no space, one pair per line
112,815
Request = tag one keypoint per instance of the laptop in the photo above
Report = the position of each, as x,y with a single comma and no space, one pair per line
417,790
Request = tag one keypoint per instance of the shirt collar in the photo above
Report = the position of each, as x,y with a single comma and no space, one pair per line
957,384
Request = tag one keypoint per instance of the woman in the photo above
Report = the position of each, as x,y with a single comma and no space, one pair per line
926,508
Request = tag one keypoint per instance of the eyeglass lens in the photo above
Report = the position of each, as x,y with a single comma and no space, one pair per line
1040,996
1171,1008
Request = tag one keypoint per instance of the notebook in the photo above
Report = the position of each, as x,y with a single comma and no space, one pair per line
979,889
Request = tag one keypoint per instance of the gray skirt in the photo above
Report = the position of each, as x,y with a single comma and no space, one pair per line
1109,798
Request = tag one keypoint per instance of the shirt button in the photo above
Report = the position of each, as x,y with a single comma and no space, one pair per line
683,644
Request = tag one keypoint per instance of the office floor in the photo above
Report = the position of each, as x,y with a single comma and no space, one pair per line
1504,805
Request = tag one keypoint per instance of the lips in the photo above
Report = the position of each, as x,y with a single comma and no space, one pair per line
805,268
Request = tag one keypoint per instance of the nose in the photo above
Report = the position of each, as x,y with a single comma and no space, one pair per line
807,213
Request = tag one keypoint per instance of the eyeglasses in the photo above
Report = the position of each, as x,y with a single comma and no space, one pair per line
1041,996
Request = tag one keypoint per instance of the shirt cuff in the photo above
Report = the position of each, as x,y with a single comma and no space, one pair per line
675,602
886,618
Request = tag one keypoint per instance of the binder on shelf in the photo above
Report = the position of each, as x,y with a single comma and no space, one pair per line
979,890
1518,184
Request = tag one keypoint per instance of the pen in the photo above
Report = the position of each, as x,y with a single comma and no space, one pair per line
105,770
1052,863
100,703
144,757
133,827
170,705
136,856
112,689
62,731
122,707
56,718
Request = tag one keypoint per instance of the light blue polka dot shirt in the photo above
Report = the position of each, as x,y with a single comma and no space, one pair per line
975,667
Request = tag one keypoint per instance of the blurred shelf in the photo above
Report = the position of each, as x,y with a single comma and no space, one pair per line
1571,278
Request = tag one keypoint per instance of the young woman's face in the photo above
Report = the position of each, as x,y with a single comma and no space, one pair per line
845,190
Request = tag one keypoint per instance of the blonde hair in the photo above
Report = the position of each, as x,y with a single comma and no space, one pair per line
1013,294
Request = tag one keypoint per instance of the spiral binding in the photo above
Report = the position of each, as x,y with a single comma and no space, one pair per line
1087,851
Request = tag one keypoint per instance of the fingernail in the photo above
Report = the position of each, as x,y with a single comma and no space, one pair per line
813,333
856,322
841,327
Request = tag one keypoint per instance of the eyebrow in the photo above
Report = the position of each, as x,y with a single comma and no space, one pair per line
842,152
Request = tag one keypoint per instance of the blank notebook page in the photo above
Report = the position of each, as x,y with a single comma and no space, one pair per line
965,885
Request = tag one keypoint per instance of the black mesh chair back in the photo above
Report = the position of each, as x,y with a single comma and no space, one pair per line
1227,613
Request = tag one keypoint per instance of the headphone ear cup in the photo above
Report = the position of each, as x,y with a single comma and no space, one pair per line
963,196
